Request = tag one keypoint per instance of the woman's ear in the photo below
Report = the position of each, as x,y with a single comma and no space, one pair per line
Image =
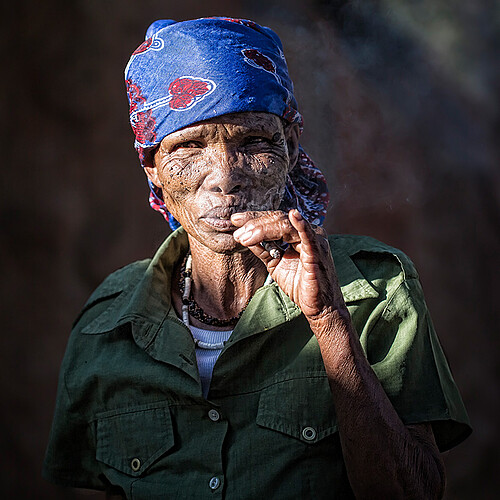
152,174
151,169
292,133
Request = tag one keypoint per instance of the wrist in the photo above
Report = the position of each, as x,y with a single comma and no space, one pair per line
338,342
330,322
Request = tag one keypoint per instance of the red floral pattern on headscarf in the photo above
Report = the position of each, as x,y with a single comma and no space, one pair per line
144,126
135,95
144,46
184,91
260,59
243,22
143,123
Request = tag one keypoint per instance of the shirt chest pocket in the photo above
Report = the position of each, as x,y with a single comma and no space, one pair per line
300,408
132,440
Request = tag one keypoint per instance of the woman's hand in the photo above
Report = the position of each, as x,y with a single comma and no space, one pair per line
305,272
368,423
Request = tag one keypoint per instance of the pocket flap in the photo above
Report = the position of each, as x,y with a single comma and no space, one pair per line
133,439
301,408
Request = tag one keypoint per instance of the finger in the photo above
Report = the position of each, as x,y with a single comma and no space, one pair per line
270,227
320,230
241,218
322,239
310,239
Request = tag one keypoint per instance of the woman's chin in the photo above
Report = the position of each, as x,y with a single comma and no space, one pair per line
220,242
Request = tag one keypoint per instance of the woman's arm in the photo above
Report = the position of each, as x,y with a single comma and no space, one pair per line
384,458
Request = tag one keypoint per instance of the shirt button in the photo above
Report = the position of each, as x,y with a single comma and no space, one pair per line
135,464
214,483
308,433
213,415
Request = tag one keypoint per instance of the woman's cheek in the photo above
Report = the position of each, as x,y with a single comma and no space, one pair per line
178,178
178,207
269,168
266,191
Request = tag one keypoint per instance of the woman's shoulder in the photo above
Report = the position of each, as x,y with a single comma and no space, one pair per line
381,266
112,286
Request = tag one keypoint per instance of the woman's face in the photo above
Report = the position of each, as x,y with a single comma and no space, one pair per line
212,169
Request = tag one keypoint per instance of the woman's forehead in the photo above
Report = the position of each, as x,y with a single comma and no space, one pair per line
235,123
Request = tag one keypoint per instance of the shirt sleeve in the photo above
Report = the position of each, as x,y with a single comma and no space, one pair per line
70,458
405,353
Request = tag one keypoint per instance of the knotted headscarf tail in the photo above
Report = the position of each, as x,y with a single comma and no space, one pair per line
190,71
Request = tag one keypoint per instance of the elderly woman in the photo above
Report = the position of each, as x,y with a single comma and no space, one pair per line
252,356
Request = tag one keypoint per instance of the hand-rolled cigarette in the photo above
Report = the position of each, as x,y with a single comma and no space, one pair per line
276,249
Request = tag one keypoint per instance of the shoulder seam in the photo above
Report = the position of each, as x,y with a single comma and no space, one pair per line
107,289
375,246
390,298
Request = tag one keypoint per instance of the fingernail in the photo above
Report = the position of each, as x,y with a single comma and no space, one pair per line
237,217
245,236
298,215
242,234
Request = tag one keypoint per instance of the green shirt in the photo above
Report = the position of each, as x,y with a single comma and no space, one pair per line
130,410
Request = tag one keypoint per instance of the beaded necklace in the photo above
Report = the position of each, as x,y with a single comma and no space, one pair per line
189,305
185,288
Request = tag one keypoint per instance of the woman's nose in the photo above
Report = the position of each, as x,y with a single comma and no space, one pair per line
226,170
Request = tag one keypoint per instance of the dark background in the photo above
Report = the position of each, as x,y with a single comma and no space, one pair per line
400,101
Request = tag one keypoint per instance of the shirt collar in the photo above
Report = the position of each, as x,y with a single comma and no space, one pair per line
353,284
147,304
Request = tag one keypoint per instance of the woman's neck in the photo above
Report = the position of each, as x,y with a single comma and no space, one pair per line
222,285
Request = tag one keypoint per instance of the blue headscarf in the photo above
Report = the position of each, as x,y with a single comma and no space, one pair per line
190,71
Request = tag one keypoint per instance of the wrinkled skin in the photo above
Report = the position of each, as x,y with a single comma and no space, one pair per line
223,180
306,272
216,168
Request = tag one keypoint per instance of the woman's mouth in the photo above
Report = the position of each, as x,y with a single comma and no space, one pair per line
219,223
220,218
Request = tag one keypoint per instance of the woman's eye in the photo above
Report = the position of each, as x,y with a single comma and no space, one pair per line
256,140
187,145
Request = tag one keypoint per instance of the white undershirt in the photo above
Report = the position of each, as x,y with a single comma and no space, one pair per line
206,358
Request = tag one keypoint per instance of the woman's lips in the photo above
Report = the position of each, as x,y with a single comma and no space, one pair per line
219,223
220,218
